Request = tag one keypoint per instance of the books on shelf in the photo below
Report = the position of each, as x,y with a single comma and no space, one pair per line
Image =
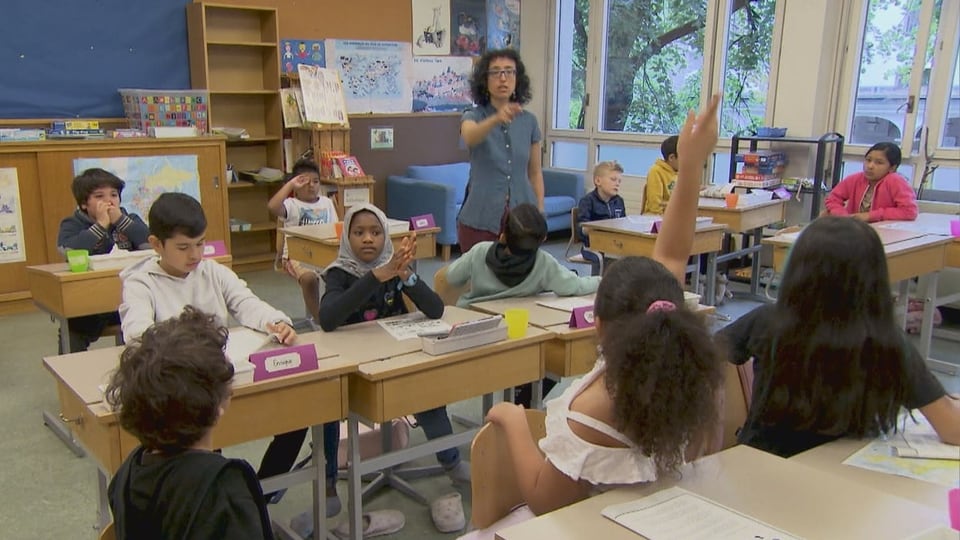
350,167
759,157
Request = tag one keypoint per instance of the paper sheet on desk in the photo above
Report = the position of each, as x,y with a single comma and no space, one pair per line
674,514
242,342
567,304
411,326
881,455
913,226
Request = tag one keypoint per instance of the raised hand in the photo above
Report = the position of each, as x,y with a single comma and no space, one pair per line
698,136
508,112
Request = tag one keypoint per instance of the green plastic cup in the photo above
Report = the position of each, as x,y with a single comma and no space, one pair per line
78,260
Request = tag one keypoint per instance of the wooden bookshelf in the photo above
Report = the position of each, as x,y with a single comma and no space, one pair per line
234,54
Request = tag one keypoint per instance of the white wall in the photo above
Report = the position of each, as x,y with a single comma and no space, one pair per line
535,31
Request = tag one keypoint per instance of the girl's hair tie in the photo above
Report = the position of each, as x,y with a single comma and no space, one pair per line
661,305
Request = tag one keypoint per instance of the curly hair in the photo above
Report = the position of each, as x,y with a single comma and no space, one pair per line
663,370
837,354
479,90
172,381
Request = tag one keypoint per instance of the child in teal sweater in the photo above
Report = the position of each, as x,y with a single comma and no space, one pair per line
514,265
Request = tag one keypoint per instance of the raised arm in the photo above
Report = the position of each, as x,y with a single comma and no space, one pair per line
697,140
474,132
275,204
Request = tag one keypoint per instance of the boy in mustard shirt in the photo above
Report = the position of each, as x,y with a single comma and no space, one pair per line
661,178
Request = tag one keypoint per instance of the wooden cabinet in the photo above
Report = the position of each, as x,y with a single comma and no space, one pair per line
45,171
234,55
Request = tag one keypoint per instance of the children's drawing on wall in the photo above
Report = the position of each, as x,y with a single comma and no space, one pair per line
291,108
441,83
503,24
11,218
294,52
376,74
469,26
321,95
431,27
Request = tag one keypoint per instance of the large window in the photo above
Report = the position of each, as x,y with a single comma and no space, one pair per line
628,71
904,86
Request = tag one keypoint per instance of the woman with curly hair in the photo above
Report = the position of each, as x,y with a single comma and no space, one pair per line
651,401
504,142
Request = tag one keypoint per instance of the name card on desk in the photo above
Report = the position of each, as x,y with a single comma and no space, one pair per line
582,317
214,248
655,228
425,221
781,193
283,361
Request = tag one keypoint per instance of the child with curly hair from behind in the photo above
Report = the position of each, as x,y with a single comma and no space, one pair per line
651,401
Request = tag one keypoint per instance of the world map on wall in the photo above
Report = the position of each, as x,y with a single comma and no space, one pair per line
147,177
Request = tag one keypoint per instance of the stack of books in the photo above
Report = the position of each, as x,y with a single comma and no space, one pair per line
761,169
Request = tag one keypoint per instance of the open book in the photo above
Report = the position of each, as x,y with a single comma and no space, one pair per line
677,514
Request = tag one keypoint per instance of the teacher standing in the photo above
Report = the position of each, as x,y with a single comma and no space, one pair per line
504,142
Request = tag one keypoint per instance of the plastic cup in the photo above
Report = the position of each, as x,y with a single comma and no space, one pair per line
78,260
338,227
955,227
731,199
516,322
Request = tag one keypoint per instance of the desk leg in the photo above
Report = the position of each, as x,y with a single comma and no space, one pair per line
355,504
64,336
62,431
103,505
755,263
536,399
902,300
710,289
319,484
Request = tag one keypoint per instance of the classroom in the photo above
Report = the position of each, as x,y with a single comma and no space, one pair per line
666,304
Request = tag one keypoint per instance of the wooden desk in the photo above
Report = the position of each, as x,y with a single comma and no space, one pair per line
318,245
631,236
571,351
829,458
798,499
413,381
256,410
747,218
64,294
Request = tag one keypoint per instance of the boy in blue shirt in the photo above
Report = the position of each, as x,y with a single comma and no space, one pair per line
97,225
604,202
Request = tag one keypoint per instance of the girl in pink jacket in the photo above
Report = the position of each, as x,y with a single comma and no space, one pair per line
878,193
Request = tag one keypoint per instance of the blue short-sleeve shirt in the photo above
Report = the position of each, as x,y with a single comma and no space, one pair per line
498,169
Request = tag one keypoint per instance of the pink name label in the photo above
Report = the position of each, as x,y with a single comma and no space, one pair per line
214,248
582,317
655,228
425,221
283,361
781,193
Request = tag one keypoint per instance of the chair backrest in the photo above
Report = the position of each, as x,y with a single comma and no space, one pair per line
574,212
494,486
448,293
736,400
108,532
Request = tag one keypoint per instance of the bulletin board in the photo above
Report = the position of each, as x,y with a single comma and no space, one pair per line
69,58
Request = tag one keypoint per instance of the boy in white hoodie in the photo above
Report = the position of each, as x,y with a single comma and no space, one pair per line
158,288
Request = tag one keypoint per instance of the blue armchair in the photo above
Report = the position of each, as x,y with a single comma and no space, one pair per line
439,190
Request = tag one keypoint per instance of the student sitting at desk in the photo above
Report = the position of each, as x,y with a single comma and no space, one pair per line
661,178
98,225
604,202
158,288
876,194
651,401
306,207
173,485
829,358
366,282
514,265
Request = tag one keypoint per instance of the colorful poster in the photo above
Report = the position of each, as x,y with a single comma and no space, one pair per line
147,177
322,93
11,218
375,74
441,83
503,24
431,27
469,27
294,52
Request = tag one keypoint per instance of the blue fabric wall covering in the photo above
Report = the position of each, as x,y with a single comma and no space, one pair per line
67,58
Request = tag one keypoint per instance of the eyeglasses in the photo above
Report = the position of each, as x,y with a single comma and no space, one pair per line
498,73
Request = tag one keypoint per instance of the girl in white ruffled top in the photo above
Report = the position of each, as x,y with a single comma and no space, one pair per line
651,401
